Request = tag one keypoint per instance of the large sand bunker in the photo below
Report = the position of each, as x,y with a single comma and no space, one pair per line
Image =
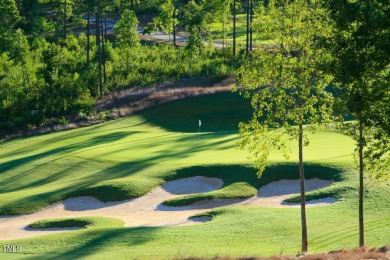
149,211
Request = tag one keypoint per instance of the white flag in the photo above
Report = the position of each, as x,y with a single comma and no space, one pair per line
200,122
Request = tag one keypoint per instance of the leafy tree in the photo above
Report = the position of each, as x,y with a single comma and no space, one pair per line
88,5
286,89
8,19
27,8
62,86
64,10
194,46
166,19
127,4
21,53
43,26
127,36
193,18
126,29
362,69
218,10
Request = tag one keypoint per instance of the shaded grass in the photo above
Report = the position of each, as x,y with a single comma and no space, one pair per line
218,112
334,191
126,158
83,222
233,232
130,156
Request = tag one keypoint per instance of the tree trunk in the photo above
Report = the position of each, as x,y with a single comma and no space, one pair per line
174,24
247,27
361,188
234,28
103,52
65,19
250,27
302,189
224,32
127,60
88,34
105,26
99,49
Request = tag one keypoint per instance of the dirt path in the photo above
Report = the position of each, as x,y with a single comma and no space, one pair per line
148,210
130,101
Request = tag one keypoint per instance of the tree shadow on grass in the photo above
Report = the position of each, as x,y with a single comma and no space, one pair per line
64,136
112,183
104,184
95,141
246,173
96,240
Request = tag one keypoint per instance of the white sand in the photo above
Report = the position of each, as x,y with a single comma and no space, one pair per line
148,210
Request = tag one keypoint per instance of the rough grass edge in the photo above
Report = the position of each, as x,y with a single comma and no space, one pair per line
379,253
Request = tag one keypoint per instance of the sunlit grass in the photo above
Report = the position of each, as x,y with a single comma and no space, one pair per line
128,157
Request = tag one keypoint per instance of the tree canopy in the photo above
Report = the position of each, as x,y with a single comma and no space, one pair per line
285,83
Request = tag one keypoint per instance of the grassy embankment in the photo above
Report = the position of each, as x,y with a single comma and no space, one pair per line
128,157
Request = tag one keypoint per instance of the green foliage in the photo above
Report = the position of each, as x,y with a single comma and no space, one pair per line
144,65
218,11
376,152
361,67
9,18
45,75
284,83
166,19
43,26
140,7
194,45
126,30
193,16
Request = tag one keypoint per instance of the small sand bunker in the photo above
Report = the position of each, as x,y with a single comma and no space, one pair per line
149,211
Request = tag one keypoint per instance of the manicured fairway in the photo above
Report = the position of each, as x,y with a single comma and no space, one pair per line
126,158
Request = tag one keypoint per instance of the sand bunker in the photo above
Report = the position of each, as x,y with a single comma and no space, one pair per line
148,210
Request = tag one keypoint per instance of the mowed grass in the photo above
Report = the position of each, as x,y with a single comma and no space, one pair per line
83,222
128,157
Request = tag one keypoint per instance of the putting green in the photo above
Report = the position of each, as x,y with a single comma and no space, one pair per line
128,157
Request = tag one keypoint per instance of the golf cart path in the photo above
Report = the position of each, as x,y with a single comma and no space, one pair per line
149,211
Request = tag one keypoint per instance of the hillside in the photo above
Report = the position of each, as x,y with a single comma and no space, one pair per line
128,157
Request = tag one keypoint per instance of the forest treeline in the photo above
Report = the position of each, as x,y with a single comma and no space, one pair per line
56,57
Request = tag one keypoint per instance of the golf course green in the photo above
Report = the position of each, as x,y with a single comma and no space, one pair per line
128,157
